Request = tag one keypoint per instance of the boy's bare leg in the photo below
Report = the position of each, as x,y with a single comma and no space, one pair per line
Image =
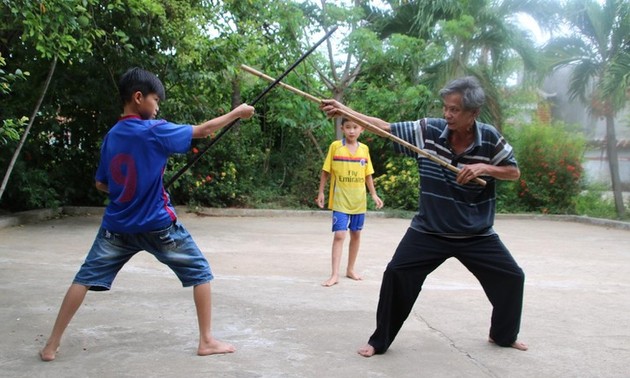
207,343
353,252
69,306
337,249
516,345
366,351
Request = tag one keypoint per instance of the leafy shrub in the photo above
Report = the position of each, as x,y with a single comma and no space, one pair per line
218,187
10,129
399,186
593,203
32,189
550,160
213,180
507,198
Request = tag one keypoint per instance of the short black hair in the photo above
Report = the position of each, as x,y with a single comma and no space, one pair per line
136,79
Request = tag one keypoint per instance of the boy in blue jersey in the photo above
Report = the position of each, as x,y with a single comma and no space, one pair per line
140,215
455,215
349,166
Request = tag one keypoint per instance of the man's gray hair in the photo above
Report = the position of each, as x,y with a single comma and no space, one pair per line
473,96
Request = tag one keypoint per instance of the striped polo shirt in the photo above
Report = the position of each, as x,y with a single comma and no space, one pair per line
446,207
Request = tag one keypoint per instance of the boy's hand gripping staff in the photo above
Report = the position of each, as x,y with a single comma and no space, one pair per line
254,101
368,126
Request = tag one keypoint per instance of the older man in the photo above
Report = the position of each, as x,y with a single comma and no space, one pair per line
455,217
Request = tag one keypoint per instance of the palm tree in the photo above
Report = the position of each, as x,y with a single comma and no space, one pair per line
480,37
598,51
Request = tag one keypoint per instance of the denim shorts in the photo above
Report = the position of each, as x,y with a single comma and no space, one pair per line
172,246
342,221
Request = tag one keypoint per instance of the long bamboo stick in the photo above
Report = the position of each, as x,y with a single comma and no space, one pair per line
368,126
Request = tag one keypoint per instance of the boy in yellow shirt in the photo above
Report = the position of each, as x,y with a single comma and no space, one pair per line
349,167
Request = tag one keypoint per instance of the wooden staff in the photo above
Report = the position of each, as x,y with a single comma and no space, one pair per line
368,126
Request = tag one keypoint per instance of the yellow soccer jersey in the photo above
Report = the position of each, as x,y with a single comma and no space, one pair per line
347,177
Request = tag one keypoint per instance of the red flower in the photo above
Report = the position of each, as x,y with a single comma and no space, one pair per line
195,150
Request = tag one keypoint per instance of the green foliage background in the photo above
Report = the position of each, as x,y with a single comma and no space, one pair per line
274,159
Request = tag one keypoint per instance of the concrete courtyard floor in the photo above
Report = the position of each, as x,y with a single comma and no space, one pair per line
268,302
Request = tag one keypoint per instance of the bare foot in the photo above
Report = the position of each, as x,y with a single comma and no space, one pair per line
49,352
330,282
214,347
366,351
519,345
516,345
354,276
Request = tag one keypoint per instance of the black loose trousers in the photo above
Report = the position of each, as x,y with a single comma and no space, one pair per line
418,254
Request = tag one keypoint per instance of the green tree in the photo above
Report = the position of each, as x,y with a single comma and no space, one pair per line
271,157
94,42
195,47
598,52
342,64
11,127
375,74
56,30
477,37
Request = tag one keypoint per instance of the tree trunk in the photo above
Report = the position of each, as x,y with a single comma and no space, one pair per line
51,71
338,95
236,99
309,134
613,163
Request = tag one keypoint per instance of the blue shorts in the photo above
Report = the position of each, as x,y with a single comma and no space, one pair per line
343,221
172,246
